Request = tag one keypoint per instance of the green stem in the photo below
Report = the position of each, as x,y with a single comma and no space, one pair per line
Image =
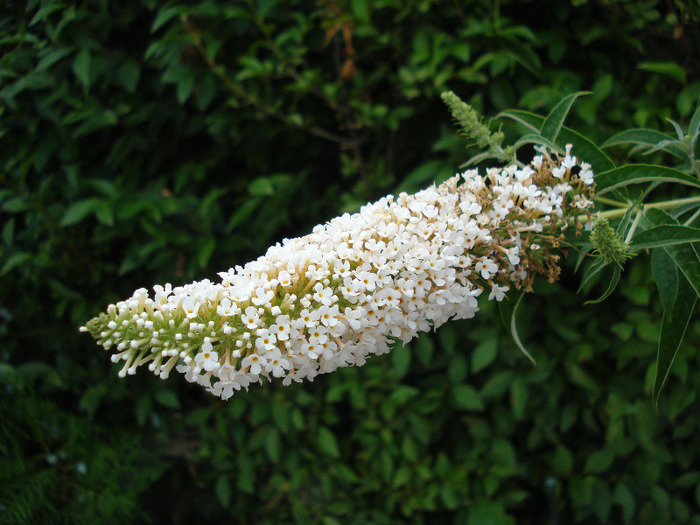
611,202
633,228
692,218
663,205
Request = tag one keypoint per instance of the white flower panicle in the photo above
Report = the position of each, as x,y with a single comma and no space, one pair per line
400,266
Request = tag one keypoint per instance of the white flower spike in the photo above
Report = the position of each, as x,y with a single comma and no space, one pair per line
330,299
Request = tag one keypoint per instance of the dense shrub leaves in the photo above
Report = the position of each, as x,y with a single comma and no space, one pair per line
141,144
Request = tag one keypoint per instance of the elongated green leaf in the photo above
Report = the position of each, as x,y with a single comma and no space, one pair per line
506,307
694,126
273,444
164,15
681,210
244,211
223,490
51,56
128,75
677,127
617,271
670,69
640,173
466,397
327,442
185,86
18,259
531,121
45,12
361,10
478,158
555,120
599,461
584,148
78,211
666,145
647,137
95,122
14,205
533,138
104,212
665,274
583,250
665,235
624,224
81,68
508,310
590,274
673,327
167,398
684,255
694,134
484,353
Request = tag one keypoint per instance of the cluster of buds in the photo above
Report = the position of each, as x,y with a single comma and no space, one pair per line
400,266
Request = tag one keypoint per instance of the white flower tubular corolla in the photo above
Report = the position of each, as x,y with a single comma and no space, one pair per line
330,299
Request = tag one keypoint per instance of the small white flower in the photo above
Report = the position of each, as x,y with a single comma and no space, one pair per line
191,307
586,174
277,366
226,308
323,295
513,255
329,316
498,292
250,318
355,317
486,268
254,363
367,281
569,162
524,174
307,319
285,279
318,335
559,172
207,359
265,341
262,297
282,327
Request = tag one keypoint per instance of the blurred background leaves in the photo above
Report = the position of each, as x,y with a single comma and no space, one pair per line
143,143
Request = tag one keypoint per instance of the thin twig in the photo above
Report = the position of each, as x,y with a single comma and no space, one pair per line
291,71
220,72
663,205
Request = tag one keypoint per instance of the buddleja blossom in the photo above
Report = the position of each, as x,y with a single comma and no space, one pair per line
400,266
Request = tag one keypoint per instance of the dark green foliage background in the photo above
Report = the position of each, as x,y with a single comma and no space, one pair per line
143,143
